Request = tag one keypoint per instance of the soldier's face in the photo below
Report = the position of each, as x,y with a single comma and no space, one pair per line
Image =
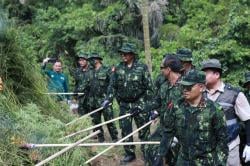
166,71
1,84
190,93
57,67
212,77
127,57
82,62
186,65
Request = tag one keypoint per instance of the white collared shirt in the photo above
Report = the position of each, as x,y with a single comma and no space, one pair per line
242,107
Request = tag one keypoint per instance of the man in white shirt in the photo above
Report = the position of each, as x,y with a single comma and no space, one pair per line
235,107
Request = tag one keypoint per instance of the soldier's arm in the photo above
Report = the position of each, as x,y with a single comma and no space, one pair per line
111,90
154,104
220,131
148,83
169,130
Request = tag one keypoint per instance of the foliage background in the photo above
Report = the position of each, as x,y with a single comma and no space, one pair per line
35,29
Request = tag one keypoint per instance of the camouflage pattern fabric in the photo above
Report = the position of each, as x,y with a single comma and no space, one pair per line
97,95
131,87
167,95
201,132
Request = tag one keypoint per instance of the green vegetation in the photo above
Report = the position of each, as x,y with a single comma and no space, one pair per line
37,29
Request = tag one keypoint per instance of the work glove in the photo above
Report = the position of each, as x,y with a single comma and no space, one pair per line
246,153
46,60
105,104
174,142
153,115
135,111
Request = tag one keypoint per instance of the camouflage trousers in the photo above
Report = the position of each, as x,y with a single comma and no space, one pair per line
152,152
83,107
107,115
127,128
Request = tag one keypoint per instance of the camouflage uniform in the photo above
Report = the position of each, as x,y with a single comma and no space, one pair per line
131,87
201,133
167,94
82,84
98,91
160,79
201,130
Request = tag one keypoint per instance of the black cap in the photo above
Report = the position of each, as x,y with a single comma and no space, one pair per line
172,62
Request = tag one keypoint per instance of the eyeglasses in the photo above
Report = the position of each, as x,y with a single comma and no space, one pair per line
125,54
188,87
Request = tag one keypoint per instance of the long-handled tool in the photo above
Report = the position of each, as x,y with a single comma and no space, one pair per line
32,146
145,125
86,115
67,148
63,93
93,127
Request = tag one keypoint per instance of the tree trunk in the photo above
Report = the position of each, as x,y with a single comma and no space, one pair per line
144,11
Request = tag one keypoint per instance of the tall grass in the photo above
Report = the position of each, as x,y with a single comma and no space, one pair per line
26,115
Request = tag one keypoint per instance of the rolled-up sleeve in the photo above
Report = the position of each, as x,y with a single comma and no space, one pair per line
242,107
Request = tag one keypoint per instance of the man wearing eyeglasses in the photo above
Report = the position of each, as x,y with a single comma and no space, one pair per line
235,106
168,94
198,124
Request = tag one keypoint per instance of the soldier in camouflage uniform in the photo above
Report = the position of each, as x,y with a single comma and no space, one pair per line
198,124
98,91
82,83
186,58
131,84
169,92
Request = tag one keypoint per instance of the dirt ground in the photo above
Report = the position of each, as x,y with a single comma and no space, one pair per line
113,157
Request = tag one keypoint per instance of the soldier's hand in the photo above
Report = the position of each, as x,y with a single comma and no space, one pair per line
246,153
105,104
153,115
135,111
174,142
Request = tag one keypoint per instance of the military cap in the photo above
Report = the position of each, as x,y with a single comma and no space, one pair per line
184,54
193,77
128,48
82,54
94,55
211,64
246,81
172,62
